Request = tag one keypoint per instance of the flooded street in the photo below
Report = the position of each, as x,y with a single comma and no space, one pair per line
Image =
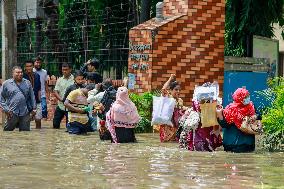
50,158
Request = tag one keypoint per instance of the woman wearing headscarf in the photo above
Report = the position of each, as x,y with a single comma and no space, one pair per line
231,119
122,118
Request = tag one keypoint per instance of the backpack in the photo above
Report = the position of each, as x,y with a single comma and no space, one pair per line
107,100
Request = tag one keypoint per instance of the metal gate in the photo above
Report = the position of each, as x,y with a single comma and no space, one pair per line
250,73
74,31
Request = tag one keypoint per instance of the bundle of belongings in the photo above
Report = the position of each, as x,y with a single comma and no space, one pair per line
107,96
207,97
251,126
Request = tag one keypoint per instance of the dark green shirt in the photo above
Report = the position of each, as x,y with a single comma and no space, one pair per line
235,140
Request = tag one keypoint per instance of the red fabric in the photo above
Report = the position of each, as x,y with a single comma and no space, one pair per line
204,140
236,111
176,116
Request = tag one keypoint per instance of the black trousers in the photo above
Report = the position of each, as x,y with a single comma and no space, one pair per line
124,135
239,148
58,116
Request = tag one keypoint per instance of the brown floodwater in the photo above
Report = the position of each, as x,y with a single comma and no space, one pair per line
50,158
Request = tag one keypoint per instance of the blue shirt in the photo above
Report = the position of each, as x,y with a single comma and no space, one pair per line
36,84
13,100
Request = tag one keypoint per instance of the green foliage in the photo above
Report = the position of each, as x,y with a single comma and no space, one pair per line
84,29
245,18
77,21
144,104
273,118
144,126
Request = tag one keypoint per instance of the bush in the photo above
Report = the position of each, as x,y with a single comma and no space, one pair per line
273,117
144,104
144,126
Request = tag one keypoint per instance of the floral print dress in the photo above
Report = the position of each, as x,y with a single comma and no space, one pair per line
193,136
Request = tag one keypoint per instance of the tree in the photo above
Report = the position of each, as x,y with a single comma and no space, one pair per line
245,18
273,115
147,9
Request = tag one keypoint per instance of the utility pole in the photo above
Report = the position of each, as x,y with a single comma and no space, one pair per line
9,37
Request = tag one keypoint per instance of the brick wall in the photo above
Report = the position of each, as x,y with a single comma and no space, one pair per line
141,37
190,45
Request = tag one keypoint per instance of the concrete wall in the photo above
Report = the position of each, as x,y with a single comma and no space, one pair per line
25,7
29,7
277,33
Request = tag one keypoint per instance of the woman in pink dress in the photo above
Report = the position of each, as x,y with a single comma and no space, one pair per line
202,138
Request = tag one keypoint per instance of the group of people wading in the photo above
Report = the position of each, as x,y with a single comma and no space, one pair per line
187,127
90,103
87,102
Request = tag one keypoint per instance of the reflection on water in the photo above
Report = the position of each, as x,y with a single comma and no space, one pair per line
53,159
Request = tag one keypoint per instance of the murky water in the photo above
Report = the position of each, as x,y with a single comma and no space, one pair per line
50,158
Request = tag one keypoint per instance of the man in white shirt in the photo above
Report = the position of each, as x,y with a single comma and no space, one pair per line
44,86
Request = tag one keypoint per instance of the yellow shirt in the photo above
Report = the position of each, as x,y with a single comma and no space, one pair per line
78,100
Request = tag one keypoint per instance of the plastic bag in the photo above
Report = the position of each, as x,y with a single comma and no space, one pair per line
208,91
163,108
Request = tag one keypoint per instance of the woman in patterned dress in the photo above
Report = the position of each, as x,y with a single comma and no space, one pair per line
171,89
